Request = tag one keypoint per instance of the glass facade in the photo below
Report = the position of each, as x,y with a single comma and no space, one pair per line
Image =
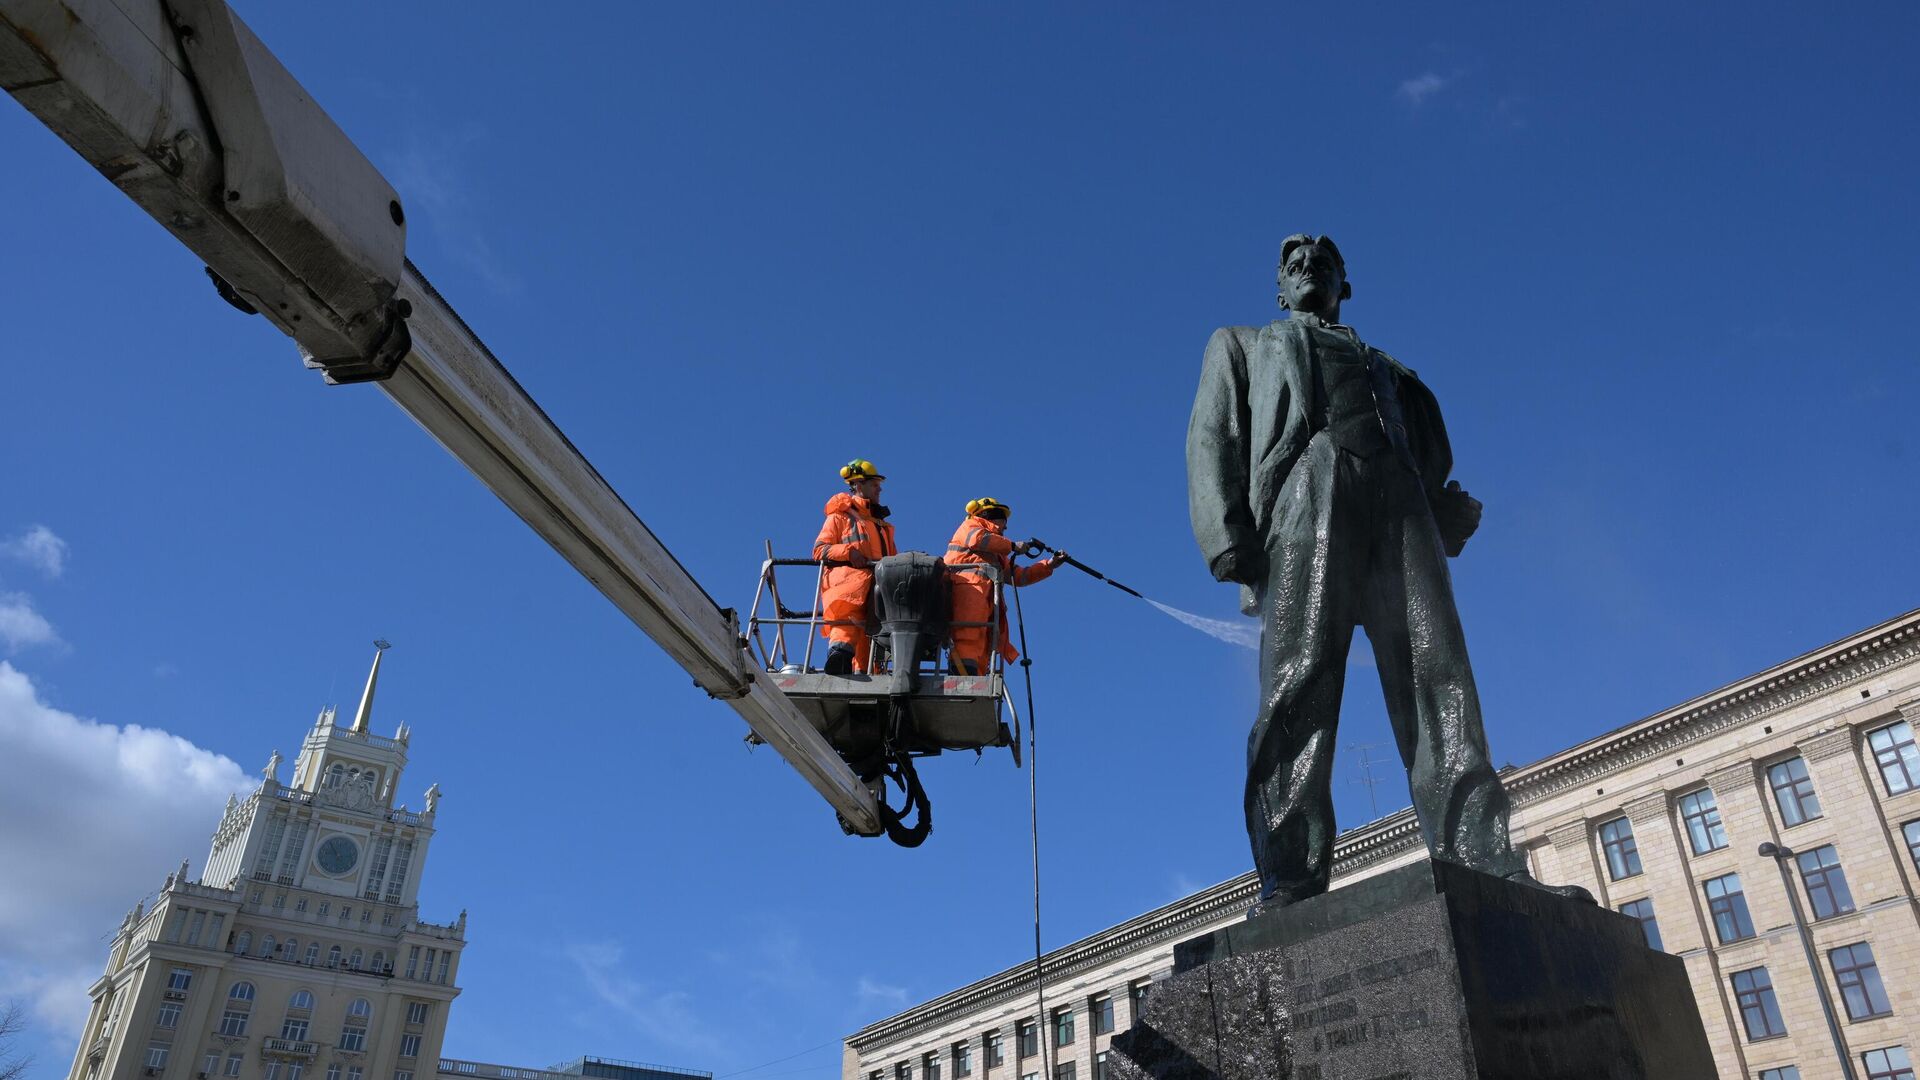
1727,904
1759,1009
1701,815
1643,910
1623,858
1793,792
1898,759
1825,882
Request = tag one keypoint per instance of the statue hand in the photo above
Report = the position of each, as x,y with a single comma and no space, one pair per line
1240,567
1457,516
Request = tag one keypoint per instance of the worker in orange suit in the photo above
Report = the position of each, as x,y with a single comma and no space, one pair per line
981,539
855,536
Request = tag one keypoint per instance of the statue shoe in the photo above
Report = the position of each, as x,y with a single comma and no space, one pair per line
1571,892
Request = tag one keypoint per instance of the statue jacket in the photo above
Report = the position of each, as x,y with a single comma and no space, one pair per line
1257,410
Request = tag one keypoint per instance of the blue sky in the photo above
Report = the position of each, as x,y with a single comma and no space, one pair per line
1656,264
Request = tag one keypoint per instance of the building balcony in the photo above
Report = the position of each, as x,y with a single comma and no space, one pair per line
289,1048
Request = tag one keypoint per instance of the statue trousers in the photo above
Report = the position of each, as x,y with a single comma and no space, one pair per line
1353,543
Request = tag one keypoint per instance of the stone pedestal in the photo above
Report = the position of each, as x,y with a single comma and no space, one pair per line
1429,972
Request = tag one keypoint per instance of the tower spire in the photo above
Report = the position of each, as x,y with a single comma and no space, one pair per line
362,714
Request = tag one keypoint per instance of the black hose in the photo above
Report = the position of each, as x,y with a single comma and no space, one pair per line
899,769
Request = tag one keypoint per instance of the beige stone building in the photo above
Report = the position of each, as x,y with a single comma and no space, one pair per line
299,954
1662,819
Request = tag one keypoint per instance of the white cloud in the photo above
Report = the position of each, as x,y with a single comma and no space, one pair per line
1417,90
659,1017
92,818
21,625
871,992
39,548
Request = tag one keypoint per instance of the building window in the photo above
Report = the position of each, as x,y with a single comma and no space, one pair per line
313,953
354,1072
409,1045
294,1069
239,1006
1137,996
1888,1064
1102,1010
301,999
333,1070
417,1012
1100,1066
1728,905
996,1049
324,906
1898,758
930,1065
267,947
169,1015
1826,883
211,1064
290,950
1623,858
157,1055
1063,1027
446,958
902,1071
962,1059
1784,1072
300,904
333,957
270,1071
426,970
1793,791
1643,910
353,1033
353,961
1702,815
1029,1034
242,943
403,1074
179,979
413,959
1859,979
233,1064
1758,1008
279,901
294,1028
1063,1071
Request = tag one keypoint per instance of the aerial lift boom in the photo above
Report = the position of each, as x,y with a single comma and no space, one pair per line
190,116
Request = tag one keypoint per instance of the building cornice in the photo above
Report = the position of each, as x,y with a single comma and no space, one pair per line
1853,658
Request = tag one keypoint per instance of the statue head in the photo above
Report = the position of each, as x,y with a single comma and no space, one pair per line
1312,276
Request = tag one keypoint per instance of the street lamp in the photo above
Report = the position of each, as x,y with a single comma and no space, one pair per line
1780,853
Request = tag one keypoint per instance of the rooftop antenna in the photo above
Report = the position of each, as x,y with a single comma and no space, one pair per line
1366,774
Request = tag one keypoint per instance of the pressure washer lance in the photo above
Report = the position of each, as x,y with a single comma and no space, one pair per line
1035,546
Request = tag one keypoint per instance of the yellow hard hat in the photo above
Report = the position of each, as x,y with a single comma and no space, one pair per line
859,469
988,507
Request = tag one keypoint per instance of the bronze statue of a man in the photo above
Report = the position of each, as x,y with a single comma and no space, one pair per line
1317,478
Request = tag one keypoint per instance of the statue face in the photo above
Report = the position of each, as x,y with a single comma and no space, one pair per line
1311,280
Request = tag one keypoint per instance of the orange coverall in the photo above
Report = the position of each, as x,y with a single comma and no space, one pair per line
850,527
980,540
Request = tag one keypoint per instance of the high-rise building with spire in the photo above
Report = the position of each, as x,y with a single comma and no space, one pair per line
299,953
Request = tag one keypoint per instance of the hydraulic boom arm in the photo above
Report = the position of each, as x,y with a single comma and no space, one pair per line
190,116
